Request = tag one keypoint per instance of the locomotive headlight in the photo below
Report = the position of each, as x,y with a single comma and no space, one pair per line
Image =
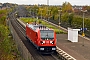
51,42
53,48
43,41
41,48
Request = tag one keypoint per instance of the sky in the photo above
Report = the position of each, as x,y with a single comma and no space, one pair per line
51,2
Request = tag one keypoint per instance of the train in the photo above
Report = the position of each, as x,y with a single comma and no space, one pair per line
42,37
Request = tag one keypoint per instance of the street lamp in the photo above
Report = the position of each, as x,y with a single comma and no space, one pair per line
47,8
36,13
59,16
33,13
83,24
30,11
48,14
41,14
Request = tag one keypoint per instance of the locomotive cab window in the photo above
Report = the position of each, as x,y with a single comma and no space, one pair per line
47,34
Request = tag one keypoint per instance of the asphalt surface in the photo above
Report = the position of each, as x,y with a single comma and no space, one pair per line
79,50
76,49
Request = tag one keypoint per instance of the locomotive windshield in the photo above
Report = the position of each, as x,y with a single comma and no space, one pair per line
47,34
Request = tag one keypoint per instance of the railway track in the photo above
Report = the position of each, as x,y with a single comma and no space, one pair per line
62,54
20,29
21,33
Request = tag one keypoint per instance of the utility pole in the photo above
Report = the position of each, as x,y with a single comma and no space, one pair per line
36,14
48,14
41,13
83,34
59,16
47,2
47,7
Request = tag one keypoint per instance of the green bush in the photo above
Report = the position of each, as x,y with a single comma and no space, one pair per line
6,43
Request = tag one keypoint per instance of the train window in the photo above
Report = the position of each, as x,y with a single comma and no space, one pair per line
47,34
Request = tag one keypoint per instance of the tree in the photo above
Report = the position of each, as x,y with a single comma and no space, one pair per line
54,13
70,19
67,7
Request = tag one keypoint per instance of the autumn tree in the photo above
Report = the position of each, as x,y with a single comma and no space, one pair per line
67,7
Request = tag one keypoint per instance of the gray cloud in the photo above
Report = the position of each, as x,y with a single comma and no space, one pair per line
51,2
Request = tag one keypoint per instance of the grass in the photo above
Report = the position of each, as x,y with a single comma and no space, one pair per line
31,20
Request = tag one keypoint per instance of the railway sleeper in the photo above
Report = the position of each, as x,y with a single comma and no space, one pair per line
63,55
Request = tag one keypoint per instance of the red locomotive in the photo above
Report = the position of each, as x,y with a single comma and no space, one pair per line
42,37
